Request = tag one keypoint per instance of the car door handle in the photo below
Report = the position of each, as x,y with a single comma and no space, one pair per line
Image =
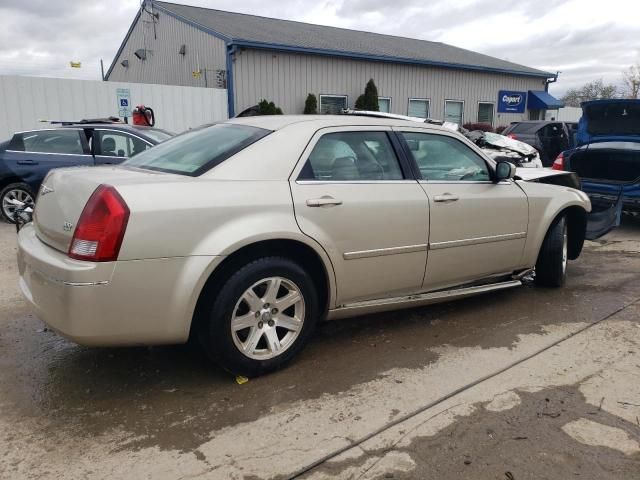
446,197
27,162
323,202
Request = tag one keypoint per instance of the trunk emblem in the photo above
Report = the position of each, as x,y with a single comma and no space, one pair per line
67,226
44,190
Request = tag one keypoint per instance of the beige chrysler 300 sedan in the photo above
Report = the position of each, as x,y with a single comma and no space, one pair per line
243,235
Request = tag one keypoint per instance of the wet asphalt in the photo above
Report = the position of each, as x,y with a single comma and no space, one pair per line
172,399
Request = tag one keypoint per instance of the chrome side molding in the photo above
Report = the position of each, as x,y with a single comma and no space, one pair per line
410,301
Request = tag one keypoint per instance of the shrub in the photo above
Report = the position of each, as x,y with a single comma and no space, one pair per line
369,99
485,127
266,107
311,105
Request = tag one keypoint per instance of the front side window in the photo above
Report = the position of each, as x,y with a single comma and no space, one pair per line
384,104
418,108
443,158
453,111
485,113
332,104
48,141
110,143
196,151
352,156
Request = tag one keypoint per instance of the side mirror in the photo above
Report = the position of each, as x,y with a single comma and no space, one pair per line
505,171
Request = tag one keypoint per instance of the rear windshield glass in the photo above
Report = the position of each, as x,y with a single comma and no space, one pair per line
523,127
196,151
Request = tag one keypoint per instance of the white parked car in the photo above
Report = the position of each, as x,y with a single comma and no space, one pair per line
246,233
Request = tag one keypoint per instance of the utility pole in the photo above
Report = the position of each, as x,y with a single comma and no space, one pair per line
102,69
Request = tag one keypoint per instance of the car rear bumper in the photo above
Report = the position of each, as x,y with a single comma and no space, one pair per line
604,194
136,302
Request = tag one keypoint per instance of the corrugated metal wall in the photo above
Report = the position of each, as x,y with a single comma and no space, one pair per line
27,100
164,65
287,78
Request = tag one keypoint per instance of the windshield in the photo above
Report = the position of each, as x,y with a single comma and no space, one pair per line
196,151
159,135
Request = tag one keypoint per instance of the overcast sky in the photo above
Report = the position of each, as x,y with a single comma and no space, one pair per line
584,39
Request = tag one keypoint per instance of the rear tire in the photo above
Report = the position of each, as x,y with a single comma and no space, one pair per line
551,267
14,191
261,317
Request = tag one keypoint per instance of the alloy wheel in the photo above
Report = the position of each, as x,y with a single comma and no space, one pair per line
15,194
268,318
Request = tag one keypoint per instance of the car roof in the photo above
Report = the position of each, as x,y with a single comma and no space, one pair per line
277,122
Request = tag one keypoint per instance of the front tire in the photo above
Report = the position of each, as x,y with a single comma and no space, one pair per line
261,317
551,267
14,191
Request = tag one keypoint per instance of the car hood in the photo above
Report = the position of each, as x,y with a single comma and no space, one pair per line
609,120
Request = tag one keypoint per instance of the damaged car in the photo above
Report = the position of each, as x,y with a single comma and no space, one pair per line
607,160
502,148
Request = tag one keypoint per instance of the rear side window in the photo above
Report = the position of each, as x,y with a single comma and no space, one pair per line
352,156
195,152
48,141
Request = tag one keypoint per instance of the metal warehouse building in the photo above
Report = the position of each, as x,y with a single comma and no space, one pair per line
256,58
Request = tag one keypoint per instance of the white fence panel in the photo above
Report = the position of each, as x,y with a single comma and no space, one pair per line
25,101
565,114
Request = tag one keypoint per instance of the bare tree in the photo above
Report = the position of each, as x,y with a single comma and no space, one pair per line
595,90
631,79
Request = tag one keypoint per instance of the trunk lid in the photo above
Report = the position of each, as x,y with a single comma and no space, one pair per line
65,192
609,120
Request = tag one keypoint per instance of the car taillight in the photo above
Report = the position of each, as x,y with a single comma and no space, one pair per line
100,230
558,164
512,136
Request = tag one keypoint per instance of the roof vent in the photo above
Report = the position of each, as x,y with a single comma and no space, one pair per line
183,49
141,53
125,63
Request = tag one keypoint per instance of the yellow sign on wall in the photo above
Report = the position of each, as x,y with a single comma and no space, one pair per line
75,64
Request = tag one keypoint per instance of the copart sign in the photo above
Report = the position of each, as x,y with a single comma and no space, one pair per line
511,102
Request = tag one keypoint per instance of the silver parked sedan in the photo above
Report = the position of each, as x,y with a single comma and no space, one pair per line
244,234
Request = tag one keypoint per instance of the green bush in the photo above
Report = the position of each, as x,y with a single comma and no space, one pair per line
265,107
311,105
369,99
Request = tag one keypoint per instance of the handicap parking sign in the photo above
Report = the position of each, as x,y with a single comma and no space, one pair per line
124,102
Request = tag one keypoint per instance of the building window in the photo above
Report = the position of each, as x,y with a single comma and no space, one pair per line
332,104
418,107
454,111
384,104
485,113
